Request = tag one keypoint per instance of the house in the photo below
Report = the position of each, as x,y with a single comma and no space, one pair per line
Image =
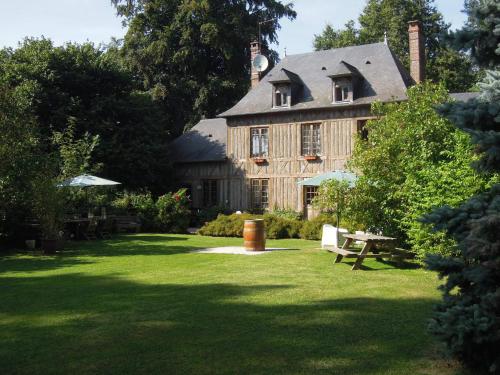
298,121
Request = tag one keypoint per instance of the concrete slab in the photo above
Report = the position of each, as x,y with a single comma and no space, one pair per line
237,250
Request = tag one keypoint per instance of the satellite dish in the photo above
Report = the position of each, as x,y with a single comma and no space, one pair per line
260,63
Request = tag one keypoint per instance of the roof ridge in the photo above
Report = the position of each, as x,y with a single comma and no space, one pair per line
333,49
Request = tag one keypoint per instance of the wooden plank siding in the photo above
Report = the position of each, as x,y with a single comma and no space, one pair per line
285,165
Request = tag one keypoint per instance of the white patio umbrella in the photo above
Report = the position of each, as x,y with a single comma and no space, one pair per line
86,180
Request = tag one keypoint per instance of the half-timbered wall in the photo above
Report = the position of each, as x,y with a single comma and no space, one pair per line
285,166
192,175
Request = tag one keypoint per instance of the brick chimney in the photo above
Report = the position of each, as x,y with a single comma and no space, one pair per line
417,51
255,75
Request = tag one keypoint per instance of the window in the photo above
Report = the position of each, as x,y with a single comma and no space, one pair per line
362,130
310,192
260,193
311,139
277,101
210,193
259,142
341,93
284,99
280,99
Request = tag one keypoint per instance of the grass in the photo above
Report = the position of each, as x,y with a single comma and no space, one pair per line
145,304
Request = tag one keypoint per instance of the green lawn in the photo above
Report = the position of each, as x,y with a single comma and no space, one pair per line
145,304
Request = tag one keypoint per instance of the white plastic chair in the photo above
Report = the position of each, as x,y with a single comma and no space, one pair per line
330,236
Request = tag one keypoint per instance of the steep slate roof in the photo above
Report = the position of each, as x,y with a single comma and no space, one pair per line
384,79
206,141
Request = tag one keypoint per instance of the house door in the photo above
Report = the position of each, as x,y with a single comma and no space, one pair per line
310,212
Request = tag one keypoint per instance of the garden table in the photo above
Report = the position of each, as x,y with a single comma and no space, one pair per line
77,226
374,247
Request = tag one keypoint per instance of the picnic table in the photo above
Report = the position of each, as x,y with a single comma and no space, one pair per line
374,246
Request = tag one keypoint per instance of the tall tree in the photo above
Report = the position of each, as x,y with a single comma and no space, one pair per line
412,161
333,38
195,55
20,155
467,319
391,17
90,89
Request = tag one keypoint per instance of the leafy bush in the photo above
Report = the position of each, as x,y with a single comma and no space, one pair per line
232,226
140,204
173,212
206,215
279,227
122,204
147,210
413,160
287,213
226,225
312,229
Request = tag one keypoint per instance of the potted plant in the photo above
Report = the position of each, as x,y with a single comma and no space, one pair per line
49,209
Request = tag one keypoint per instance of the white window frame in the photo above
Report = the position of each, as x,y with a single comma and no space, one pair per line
261,142
310,139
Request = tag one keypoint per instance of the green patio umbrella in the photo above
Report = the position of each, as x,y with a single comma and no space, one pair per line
339,175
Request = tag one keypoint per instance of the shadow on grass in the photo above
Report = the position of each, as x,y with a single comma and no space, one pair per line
384,265
152,244
90,324
29,261
34,262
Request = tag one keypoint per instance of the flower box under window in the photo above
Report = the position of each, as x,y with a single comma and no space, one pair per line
258,160
311,157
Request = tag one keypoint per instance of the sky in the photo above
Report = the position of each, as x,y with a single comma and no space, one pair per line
96,20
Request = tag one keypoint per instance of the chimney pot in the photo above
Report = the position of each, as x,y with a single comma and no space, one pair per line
417,51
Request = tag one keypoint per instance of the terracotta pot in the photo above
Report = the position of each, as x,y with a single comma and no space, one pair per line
254,235
259,160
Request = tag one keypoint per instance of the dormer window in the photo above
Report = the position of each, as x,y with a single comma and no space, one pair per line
345,81
286,88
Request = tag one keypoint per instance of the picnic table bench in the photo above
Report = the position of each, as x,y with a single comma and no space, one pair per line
126,223
375,246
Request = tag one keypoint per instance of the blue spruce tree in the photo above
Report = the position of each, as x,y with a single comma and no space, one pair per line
468,318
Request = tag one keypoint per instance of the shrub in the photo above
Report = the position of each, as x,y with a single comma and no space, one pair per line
279,227
140,204
232,226
226,225
287,213
206,215
173,212
147,211
312,229
122,204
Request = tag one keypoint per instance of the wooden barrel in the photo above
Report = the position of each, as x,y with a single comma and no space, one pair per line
254,235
